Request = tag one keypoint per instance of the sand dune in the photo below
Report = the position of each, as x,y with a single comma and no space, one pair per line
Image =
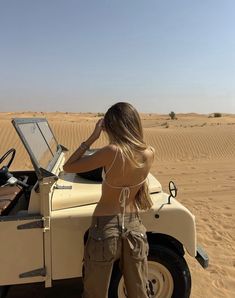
195,151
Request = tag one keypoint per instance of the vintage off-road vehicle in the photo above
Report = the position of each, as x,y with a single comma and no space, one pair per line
46,213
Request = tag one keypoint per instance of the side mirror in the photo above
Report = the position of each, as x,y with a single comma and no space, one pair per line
172,190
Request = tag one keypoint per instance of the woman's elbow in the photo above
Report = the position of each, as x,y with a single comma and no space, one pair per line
70,168
66,167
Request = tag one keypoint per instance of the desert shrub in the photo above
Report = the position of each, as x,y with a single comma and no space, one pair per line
216,115
100,115
165,124
172,115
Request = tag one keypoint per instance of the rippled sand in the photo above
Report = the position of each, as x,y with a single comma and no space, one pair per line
198,153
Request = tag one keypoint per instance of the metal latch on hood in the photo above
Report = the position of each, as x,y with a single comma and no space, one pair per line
62,186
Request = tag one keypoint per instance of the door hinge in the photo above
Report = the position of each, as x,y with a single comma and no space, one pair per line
47,223
36,272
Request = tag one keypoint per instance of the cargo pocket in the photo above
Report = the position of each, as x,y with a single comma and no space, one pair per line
101,248
139,246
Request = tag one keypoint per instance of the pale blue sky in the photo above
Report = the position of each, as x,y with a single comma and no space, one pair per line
83,55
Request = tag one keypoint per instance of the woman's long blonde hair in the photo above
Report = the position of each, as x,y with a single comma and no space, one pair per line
123,125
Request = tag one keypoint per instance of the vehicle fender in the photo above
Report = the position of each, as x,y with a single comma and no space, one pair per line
173,219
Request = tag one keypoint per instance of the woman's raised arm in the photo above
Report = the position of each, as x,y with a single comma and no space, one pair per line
79,163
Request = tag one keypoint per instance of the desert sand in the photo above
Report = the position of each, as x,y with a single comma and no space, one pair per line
197,152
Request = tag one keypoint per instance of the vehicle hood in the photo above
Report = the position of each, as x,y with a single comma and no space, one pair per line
73,191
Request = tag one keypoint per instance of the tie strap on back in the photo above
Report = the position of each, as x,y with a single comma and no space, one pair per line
124,195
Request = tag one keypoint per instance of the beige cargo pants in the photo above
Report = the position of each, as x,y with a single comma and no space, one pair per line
106,243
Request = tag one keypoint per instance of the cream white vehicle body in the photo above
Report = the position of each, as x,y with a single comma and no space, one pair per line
43,236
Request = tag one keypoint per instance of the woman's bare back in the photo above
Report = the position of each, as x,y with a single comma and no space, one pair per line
122,175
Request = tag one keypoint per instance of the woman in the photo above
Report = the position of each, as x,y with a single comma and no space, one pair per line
116,231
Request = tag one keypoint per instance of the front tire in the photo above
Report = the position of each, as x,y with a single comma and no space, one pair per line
169,275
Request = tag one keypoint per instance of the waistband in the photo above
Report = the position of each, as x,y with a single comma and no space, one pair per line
116,218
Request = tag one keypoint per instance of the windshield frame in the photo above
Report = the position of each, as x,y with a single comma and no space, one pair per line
17,122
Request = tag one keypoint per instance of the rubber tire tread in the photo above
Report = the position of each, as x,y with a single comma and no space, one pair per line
177,266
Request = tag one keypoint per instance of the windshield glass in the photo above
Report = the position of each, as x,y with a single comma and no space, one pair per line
38,139
49,138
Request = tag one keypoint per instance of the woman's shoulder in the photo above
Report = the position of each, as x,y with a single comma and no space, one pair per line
109,151
111,148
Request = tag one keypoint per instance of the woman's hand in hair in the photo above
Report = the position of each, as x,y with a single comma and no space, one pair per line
98,128
77,162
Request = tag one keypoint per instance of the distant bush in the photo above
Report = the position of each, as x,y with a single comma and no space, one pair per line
172,115
165,124
100,115
216,115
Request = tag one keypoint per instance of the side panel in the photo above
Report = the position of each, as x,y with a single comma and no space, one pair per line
21,250
67,244
68,227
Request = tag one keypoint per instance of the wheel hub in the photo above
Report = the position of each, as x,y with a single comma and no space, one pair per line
160,282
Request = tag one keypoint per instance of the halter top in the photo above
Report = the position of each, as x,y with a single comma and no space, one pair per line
124,190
